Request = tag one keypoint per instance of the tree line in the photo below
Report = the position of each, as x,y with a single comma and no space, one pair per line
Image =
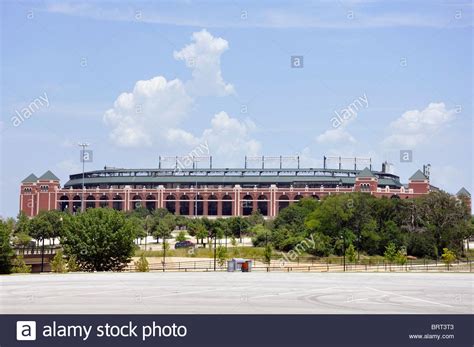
103,239
422,227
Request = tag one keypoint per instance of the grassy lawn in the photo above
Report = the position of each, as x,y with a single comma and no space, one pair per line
253,253
232,252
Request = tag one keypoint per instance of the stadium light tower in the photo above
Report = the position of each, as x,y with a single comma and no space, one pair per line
83,145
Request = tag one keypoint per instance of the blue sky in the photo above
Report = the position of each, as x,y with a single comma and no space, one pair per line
143,79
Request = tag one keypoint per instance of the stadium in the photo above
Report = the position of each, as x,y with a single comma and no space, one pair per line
213,191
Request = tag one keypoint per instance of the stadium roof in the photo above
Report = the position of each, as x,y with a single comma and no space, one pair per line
30,179
48,176
418,176
225,176
365,173
463,192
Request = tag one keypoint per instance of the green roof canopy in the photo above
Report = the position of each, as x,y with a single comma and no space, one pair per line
30,179
365,173
48,176
463,192
418,176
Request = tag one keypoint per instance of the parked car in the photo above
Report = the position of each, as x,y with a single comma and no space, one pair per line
183,244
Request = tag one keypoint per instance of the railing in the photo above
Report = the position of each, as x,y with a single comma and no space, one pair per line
275,266
36,250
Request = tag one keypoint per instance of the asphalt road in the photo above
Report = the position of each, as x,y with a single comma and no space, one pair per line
226,293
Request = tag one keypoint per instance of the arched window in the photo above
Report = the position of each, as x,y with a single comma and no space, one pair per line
90,202
262,205
212,205
198,205
184,205
227,205
150,203
103,201
76,204
117,203
136,202
64,203
298,197
283,201
314,196
247,205
394,197
170,203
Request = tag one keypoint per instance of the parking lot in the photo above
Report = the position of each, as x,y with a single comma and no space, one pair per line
228,293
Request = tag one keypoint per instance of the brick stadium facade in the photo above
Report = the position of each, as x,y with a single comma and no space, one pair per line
211,192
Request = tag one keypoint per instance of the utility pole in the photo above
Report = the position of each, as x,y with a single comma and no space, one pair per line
215,249
164,249
196,201
42,254
83,145
344,249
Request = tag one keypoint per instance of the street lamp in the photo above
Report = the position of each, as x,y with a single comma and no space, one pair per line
215,249
344,250
42,254
164,249
147,218
196,201
83,145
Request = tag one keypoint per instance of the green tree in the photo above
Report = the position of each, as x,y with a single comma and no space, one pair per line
6,251
238,226
58,263
21,241
181,236
100,239
138,226
255,218
19,265
142,264
333,218
351,253
72,265
41,227
22,226
401,257
221,255
390,253
201,233
448,257
164,226
163,229
267,254
262,235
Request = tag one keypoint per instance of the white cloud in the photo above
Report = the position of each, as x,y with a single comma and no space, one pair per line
203,56
227,137
268,16
338,135
415,127
151,107
155,108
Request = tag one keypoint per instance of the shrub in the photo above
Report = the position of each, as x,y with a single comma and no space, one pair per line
221,255
19,265
448,257
58,263
142,264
